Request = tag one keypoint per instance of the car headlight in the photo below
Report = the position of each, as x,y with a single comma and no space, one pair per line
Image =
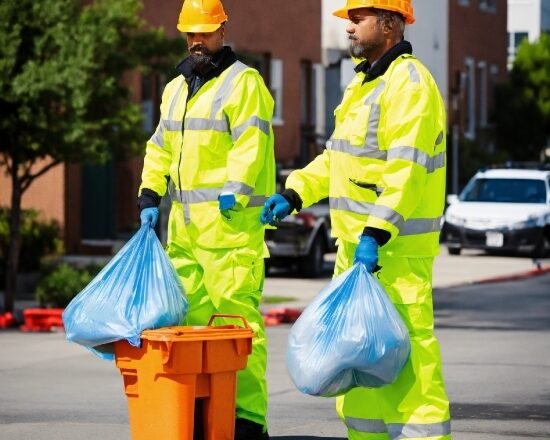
455,220
531,222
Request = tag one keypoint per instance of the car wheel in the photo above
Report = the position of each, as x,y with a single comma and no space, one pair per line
543,248
454,250
312,264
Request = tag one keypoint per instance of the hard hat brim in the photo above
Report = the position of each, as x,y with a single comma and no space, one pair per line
199,28
344,13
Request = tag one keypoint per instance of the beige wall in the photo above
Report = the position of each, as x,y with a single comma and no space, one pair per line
47,193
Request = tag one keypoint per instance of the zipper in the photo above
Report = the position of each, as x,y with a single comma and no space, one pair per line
182,134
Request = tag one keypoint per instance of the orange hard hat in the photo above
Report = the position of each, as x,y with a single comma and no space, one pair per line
404,7
201,16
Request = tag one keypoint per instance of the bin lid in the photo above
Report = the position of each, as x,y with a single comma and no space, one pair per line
197,333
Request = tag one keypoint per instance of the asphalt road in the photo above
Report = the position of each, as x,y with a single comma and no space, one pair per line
495,342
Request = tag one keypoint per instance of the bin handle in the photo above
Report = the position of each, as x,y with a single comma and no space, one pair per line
167,352
219,315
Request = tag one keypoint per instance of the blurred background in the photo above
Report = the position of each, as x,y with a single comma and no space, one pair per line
81,85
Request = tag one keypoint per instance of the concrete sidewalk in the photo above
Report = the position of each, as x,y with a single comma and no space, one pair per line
449,271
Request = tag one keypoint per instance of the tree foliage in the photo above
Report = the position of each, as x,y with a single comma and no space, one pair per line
523,103
62,97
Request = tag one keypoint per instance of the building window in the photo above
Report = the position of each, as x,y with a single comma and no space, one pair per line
276,89
151,87
514,40
491,88
464,2
482,79
470,99
488,5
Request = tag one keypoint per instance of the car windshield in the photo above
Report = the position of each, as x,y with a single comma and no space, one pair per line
505,191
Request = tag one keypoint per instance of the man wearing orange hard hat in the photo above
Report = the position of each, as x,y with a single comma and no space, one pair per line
384,173
214,147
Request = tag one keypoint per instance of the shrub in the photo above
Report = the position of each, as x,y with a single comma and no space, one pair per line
61,283
39,238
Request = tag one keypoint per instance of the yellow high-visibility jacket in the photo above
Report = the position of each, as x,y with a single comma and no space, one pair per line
384,166
221,139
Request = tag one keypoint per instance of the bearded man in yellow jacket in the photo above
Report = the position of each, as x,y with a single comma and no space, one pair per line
383,171
214,148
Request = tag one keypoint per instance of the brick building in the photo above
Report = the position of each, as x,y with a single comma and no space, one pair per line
96,206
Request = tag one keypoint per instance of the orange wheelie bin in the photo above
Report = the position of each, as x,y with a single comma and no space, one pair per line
177,367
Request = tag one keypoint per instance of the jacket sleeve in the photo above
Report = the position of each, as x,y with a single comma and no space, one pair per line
410,117
311,182
158,153
249,111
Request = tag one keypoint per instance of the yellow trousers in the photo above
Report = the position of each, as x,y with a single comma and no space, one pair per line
415,406
225,281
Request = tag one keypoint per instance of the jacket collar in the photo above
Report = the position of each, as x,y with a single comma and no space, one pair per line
380,66
221,60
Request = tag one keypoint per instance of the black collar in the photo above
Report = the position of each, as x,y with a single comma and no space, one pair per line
221,60
380,67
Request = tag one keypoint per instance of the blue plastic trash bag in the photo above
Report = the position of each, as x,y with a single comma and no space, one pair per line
137,290
349,336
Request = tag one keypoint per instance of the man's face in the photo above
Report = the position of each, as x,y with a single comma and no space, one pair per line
203,45
365,33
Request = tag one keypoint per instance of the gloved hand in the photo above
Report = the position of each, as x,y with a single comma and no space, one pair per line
149,215
275,209
226,202
367,252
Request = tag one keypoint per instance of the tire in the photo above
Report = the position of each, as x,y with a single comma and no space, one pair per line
543,248
311,265
454,250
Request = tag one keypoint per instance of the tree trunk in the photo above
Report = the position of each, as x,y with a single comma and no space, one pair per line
14,245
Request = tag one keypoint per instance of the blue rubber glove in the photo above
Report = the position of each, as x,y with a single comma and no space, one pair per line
275,209
149,215
226,202
367,252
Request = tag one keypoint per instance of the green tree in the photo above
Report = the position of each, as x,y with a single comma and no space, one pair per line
523,103
61,94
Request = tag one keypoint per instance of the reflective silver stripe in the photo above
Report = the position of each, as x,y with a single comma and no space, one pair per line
217,103
413,73
412,226
371,426
175,100
158,135
238,188
439,138
211,195
206,124
345,146
172,125
256,201
398,431
388,214
254,121
371,140
418,156
373,96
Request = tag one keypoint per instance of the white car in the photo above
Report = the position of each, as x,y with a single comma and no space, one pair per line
501,210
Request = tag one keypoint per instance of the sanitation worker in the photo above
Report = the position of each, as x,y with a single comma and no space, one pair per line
383,171
214,148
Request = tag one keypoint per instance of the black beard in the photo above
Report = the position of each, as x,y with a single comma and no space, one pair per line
201,59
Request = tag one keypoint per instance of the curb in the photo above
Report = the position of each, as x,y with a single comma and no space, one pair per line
515,276
281,315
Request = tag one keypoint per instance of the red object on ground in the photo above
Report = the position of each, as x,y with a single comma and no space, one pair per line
281,315
42,320
6,320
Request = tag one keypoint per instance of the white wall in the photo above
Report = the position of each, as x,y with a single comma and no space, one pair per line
525,16
334,39
429,36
